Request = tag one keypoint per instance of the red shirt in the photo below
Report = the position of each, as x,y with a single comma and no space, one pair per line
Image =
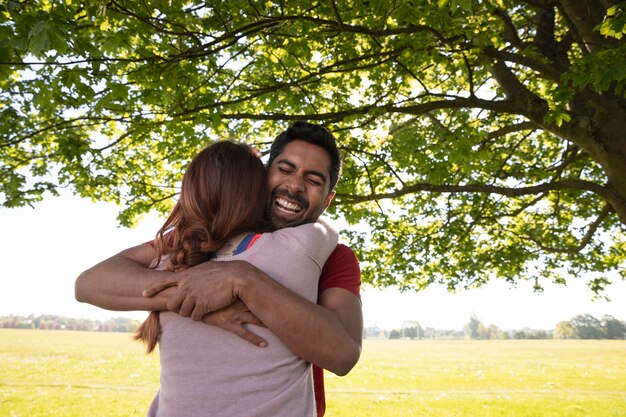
340,271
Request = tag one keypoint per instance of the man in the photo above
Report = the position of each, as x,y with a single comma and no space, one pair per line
303,169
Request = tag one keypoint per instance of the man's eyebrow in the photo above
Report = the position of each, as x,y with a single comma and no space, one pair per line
317,174
308,172
286,162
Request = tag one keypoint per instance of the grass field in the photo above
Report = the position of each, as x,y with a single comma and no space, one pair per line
56,373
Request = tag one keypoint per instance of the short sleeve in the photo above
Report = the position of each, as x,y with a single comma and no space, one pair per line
315,240
341,271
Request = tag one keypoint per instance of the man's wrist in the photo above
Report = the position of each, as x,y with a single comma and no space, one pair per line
244,279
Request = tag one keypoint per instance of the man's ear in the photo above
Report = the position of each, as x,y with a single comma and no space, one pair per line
329,198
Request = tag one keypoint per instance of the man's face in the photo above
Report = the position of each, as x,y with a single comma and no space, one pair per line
298,182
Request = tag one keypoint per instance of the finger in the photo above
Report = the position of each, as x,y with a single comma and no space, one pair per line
198,313
176,301
248,336
248,317
187,307
156,288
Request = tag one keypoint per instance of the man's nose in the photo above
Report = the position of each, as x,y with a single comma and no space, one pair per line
295,184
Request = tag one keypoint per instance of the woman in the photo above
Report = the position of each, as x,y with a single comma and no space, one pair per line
206,371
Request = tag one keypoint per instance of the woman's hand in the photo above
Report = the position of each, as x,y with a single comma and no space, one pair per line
233,318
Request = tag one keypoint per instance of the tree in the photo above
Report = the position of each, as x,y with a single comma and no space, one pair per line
413,332
587,327
412,329
482,139
395,334
564,330
483,331
613,328
471,329
494,332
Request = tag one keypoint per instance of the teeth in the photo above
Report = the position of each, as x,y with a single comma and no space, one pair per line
282,203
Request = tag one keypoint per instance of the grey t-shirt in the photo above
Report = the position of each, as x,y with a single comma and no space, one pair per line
207,371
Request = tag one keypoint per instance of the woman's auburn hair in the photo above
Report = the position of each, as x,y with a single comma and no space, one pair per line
223,193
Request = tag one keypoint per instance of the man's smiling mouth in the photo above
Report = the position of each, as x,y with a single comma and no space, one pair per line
287,206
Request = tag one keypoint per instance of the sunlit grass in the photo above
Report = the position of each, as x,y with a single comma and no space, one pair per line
57,373
484,378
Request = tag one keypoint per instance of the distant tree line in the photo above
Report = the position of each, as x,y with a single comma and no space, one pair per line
54,322
583,326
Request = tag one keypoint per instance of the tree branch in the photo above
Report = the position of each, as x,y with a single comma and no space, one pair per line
503,106
548,71
518,127
565,184
381,159
586,239
510,31
337,14
410,29
336,68
585,15
150,22
526,102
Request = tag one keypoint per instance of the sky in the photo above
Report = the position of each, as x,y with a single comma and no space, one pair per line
43,250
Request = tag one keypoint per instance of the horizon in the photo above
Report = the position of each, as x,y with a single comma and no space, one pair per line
406,323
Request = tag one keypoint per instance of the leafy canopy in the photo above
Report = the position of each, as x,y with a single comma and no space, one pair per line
482,139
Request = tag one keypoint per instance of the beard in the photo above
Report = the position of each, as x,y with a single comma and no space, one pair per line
279,217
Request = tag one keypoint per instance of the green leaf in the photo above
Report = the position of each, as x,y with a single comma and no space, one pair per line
455,170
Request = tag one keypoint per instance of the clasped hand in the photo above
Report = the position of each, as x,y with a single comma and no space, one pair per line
207,293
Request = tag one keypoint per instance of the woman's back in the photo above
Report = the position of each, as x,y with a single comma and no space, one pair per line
207,371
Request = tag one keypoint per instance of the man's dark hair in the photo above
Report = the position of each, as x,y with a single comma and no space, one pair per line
316,135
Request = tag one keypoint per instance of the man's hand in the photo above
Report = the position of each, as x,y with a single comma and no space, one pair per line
202,289
327,335
206,293
233,318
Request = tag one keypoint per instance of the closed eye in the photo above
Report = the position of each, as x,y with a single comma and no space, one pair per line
314,181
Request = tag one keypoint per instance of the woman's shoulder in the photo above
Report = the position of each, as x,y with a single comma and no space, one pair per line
322,227
317,240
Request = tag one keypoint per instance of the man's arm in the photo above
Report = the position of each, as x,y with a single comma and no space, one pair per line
118,282
328,335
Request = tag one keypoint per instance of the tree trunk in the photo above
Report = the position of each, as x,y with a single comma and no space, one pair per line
598,122
598,126
585,15
611,133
